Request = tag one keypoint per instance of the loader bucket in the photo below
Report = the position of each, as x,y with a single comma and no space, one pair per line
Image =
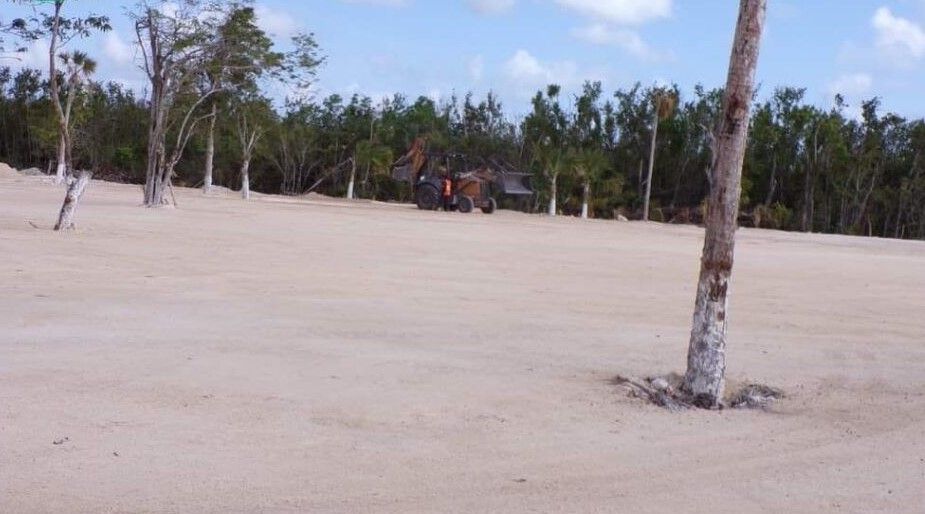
403,173
513,183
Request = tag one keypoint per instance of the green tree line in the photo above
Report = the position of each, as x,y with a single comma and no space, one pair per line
807,168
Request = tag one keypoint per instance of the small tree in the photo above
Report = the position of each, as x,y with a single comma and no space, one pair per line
252,118
78,67
589,166
706,358
553,162
241,54
663,105
546,130
376,158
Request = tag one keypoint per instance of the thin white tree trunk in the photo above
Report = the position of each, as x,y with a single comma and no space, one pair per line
55,93
245,179
61,167
553,192
210,152
71,200
353,175
645,208
586,193
706,359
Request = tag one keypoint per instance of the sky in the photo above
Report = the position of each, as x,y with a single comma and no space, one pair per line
435,48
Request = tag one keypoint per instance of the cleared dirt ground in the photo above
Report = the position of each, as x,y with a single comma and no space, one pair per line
285,355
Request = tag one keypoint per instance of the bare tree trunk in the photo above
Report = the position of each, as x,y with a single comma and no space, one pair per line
62,157
586,194
210,152
246,179
706,359
639,175
772,183
55,93
353,176
809,187
71,200
645,205
553,192
806,207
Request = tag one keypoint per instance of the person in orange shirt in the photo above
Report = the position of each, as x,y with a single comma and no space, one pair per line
447,192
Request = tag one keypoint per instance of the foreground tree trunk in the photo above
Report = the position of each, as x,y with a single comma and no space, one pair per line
706,359
645,207
71,200
586,194
210,152
246,179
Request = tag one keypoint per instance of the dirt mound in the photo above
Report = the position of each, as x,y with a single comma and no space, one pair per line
7,171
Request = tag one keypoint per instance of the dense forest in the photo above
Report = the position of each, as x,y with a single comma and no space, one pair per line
807,168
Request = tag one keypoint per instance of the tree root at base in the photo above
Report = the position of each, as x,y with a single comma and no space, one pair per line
666,392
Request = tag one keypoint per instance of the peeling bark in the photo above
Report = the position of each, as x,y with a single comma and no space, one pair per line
71,200
706,360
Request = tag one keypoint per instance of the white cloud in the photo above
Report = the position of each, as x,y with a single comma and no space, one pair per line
898,37
476,68
856,84
35,56
628,40
523,65
528,71
116,50
276,23
623,12
491,6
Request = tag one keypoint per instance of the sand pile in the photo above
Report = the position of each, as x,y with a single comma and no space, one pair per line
7,171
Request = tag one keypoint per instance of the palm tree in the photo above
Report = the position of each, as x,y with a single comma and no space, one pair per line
78,67
553,161
705,378
375,157
663,103
588,165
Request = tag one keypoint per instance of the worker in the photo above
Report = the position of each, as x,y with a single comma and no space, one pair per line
447,192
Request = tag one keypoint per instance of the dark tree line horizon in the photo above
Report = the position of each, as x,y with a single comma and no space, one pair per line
806,169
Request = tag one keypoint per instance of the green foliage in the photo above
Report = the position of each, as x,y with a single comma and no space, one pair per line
806,168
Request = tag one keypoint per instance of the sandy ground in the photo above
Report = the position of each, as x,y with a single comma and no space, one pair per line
311,356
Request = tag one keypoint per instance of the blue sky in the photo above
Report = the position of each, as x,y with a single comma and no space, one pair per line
862,48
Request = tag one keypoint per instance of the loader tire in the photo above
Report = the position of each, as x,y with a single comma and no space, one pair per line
427,198
466,204
490,207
